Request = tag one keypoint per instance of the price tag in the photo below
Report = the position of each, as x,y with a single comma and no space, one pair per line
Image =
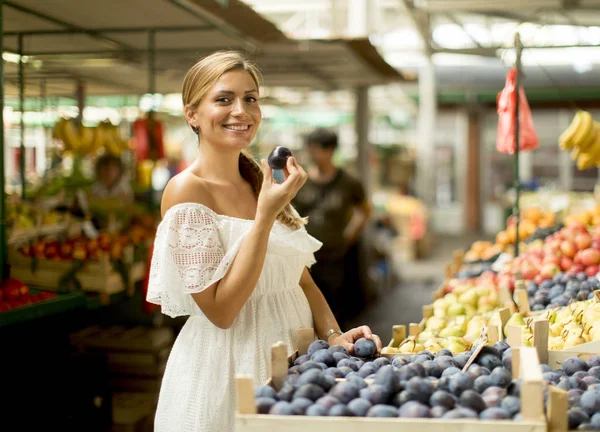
479,344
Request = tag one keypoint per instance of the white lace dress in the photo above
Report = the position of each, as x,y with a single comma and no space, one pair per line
194,248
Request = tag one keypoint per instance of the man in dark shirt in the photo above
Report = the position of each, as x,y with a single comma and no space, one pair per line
337,211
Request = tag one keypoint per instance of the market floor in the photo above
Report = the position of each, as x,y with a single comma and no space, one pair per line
402,303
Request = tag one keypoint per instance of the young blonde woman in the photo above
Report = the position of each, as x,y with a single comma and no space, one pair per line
232,254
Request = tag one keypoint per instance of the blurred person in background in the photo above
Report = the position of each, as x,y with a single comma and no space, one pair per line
338,211
112,180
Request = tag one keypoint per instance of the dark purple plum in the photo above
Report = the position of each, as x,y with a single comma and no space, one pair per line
388,378
286,393
411,370
450,371
316,411
311,376
577,416
300,405
338,357
461,360
422,387
376,394
365,348
593,361
359,407
574,364
595,421
327,401
492,396
345,392
514,388
594,371
346,370
501,377
580,374
442,398
414,409
591,380
310,391
264,404
432,369
404,396
460,382
265,391
329,382
367,369
574,397
348,363
489,361
472,400
577,383
301,359
282,408
323,356
460,413
357,380
399,361
338,349
494,414
438,411
476,371
590,402
444,383
308,365
444,352
551,377
382,411
445,362
511,404
278,157
382,361
421,359
340,410
294,370
482,383
334,372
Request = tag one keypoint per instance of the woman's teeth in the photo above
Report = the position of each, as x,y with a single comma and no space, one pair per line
237,128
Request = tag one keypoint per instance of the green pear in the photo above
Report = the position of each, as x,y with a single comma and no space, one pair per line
516,319
451,331
469,298
456,309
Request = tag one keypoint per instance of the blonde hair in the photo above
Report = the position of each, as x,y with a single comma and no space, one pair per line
198,80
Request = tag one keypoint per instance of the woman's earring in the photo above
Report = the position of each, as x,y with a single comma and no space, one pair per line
195,129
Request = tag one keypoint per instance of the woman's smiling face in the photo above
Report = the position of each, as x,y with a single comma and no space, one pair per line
229,114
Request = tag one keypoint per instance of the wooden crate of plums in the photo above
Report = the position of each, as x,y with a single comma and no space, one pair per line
322,388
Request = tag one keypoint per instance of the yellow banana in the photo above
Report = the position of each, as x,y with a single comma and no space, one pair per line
583,138
565,141
70,137
86,135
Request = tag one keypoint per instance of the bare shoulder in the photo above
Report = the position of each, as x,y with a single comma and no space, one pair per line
183,188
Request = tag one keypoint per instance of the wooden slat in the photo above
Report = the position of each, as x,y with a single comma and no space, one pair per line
262,423
279,364
493,333
427,311
541,331
514,335
414,329
504,317
398,335
558,405
522,300
245,395
516,362
305,337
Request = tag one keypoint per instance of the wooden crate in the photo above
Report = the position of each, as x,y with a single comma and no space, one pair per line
96,276
130,412
527,366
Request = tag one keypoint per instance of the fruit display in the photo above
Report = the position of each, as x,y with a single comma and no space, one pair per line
83,140
573,249
533,218
561,290
14,294
589,217
581,380
329,381
582,138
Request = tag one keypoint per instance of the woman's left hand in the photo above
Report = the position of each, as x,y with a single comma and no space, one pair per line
347,339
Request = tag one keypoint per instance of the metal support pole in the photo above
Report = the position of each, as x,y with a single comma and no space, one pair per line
362,136
22,117
151,62
3,244
517,210
153,151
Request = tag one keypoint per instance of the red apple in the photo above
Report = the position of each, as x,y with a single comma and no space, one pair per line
5,306
583,241
538,279
568,248
566,263
577,268
591,270
595,244
551,259
590,257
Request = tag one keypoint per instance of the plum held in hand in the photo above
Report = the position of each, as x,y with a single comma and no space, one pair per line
278,157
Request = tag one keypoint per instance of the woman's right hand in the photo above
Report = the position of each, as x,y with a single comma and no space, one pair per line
275,196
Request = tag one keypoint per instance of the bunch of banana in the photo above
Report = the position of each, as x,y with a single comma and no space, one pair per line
111,139
582,137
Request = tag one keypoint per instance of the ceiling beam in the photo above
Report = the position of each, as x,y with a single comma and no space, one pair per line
456,21
421,21
491,51
175,29
67,25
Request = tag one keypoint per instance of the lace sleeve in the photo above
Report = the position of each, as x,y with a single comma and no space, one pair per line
188,258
